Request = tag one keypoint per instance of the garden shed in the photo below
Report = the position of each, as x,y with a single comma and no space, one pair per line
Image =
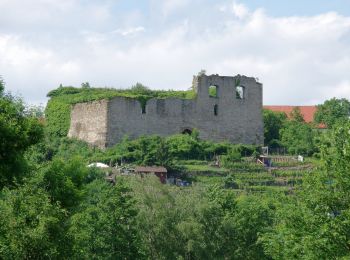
160,172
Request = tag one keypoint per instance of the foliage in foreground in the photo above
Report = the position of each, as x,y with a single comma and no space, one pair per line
68,211
104,224
199,223
315,224
17,133
30,224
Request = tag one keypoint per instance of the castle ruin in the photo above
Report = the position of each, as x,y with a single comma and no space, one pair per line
224,109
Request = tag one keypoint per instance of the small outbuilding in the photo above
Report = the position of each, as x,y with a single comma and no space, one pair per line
265,160
159,171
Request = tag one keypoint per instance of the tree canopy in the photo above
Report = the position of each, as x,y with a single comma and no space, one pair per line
273,123
17,133
298,137
332,111
314,224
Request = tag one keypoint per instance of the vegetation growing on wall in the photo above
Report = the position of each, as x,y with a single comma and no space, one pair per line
61,99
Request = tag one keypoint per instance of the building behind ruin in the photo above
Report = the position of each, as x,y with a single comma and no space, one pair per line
233,113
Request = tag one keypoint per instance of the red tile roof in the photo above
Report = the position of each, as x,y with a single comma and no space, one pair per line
307,112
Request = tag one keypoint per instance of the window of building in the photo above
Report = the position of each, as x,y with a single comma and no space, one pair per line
213,91
240,92
143,108
216,110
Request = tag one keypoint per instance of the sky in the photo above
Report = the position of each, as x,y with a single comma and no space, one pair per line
299,50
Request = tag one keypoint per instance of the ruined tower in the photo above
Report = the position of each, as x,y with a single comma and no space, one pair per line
224,109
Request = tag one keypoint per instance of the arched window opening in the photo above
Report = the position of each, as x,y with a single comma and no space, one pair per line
216,110
213,91
187,131
240,92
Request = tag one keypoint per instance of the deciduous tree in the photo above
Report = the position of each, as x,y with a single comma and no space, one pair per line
104,224
333,110
315,223
17,133
273,122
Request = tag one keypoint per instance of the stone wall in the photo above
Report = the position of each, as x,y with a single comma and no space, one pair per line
235,120
89,122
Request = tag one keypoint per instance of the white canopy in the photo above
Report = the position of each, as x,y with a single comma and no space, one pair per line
98,165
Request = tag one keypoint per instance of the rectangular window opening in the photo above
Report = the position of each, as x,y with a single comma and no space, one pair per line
213,91
240,92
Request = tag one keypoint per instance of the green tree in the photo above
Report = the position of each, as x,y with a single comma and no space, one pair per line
298,137
332,111
64,181
199,223
35,111
296,115
167,220
139,88
30,226
273,123
104,224
183,146
2,86
315,223
85,85
233,155
253,216
17,133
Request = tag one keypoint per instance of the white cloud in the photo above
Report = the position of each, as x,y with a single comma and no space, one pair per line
129,31
300,60
239,10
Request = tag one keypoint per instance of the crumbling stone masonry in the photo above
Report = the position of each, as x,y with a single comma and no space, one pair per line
232,113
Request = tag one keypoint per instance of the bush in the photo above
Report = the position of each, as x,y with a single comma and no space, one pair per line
230,181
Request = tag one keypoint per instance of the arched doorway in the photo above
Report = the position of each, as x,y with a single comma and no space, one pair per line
187,131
